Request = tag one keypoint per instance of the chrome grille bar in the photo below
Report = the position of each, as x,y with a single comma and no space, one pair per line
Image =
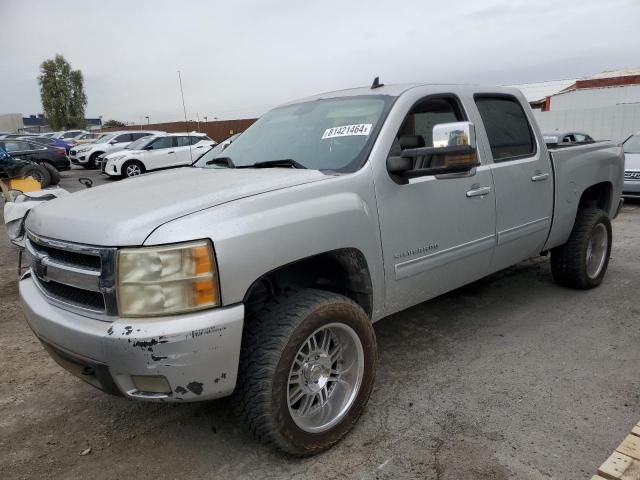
77,277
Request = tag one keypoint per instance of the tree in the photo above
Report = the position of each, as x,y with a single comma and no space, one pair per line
113,124
62,94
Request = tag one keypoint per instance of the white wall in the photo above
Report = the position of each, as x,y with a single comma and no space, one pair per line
11,122
596,97
605,123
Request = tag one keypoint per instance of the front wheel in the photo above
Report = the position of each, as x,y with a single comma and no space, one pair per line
582,261
132,169
307,369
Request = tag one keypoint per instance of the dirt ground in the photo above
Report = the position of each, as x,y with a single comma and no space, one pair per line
509,377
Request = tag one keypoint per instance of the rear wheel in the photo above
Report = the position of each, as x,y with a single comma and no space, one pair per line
39,173
307,369
132,168
582,261
53,173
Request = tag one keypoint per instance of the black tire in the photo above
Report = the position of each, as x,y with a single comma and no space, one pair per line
270,343
53,173
38,172
569,262
132,163
92,160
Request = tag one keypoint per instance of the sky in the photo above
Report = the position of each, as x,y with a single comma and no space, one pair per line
239,58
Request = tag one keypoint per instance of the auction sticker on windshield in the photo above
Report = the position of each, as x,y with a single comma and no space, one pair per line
347,130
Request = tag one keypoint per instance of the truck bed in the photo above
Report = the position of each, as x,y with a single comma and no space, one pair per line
574,170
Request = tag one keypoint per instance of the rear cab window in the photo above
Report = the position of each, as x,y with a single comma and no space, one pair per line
508,129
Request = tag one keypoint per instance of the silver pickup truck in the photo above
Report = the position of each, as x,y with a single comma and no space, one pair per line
260,270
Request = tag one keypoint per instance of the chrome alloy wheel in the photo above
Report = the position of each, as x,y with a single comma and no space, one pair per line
597,250
133,170
325,377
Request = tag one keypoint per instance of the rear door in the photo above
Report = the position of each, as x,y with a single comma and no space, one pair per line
183,150
522,179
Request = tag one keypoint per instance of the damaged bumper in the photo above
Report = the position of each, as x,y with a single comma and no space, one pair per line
178,358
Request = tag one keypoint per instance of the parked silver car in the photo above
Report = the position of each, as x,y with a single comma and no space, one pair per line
631,148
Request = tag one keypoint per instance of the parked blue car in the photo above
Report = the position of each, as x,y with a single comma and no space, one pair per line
52,142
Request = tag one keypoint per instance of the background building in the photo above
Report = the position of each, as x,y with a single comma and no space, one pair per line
16,122
606,105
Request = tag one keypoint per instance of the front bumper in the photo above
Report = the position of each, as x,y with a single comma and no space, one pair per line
631,188
196,353
79,158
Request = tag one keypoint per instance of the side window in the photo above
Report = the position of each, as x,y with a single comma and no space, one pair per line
417,128
195,139
507,127
125,137
137,136
183,141
162,142
15,146
36,146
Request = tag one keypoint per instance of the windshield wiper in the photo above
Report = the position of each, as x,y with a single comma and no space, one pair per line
285,162
224,161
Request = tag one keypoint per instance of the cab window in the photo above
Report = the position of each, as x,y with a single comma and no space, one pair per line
417,128
507,127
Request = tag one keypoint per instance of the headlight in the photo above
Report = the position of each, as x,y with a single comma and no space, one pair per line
167,280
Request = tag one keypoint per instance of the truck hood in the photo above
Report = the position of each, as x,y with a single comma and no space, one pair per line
126,212
632,161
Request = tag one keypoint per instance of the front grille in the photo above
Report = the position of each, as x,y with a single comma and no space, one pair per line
76,296
631,175
69,258
78,276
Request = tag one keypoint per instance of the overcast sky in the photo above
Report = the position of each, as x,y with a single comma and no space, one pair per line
239,58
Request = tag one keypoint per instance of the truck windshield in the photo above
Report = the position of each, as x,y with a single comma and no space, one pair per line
632,144
329,134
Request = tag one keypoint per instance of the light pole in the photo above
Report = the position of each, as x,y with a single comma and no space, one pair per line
147,117
100,117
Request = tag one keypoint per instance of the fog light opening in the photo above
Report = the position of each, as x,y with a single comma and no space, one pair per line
151,384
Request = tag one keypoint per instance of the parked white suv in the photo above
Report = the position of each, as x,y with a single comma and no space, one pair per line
155,153
86,155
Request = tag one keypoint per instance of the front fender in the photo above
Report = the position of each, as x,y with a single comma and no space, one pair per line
256,235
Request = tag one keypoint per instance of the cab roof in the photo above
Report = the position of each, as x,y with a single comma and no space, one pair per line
395,90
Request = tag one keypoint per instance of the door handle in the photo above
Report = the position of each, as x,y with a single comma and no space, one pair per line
539,177
478,192
170,153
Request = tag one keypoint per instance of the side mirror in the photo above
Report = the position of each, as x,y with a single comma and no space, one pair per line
453,151
112,142
148,147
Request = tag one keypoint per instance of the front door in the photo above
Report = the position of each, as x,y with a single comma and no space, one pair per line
161,153
522,177
438,231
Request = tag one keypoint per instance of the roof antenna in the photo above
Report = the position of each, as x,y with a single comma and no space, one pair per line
376,83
